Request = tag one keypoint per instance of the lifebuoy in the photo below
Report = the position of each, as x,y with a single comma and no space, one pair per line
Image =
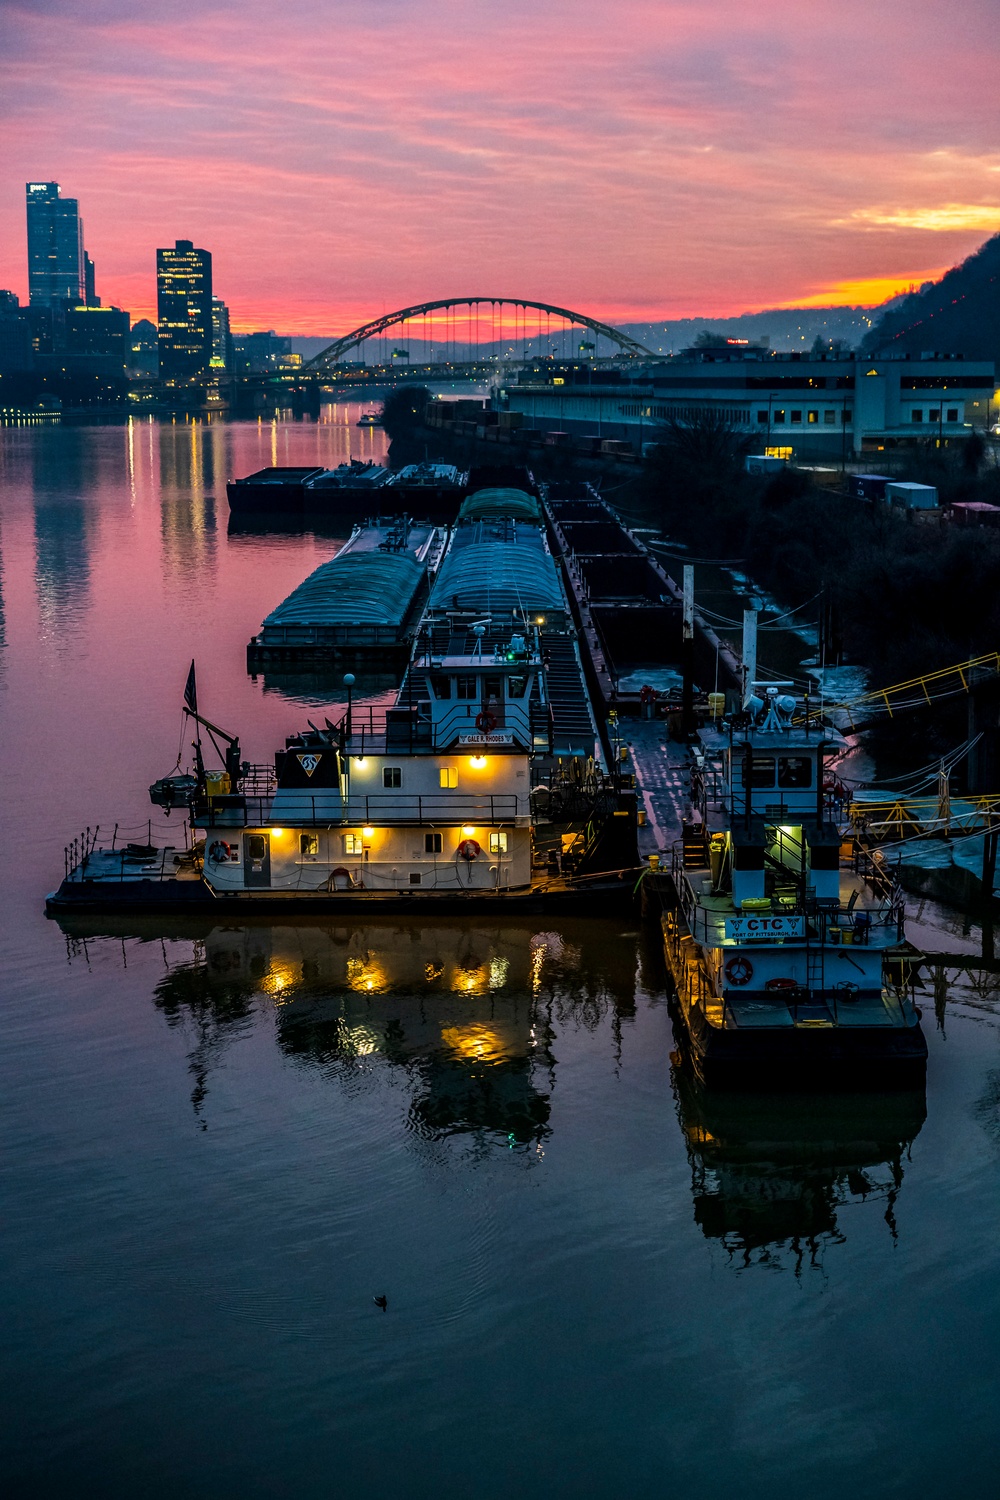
468,849
739,970
485,721
219,852
647,694
781,984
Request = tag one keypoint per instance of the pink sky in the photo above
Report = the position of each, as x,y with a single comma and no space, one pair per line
628,158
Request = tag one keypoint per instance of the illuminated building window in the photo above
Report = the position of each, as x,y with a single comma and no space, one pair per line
352,843
498,843
392,776
309,845
449,776
813,416
432,843
917,415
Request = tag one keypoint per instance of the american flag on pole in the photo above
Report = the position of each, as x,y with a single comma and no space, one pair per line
191,691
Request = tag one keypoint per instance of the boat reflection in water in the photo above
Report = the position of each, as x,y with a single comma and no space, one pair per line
772,1172
466,1009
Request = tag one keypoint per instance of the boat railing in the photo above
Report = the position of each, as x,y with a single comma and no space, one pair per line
805,1005
300,808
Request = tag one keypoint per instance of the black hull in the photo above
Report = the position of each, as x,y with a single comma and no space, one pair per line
796,1058
611,897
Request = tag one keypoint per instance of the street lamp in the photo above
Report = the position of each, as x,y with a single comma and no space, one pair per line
349,680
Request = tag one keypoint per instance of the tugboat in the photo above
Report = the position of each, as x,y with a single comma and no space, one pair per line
369,419
481,783
784,938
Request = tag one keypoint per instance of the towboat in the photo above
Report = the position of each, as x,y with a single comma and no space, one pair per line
785,938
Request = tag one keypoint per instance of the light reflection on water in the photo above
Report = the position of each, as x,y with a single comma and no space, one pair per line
220,1142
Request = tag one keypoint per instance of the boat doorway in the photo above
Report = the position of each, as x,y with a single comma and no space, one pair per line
256,859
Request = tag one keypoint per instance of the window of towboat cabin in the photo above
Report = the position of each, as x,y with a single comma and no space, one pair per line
517,686
794,772
467,686
392,776
309,845
441,687
762,773
493,688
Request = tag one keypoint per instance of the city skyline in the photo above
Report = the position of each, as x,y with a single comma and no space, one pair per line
654,161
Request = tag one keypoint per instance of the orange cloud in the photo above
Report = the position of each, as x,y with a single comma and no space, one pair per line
655,157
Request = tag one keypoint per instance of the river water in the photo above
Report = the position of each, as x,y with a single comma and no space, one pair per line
220,1143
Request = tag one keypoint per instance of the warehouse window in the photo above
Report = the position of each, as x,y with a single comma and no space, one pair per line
779,418
796,416
829,417
953,414
934,415
813,416
918,415
762,416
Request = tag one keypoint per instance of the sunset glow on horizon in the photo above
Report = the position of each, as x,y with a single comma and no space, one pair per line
652,159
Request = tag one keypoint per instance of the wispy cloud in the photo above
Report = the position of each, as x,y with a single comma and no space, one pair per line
650,156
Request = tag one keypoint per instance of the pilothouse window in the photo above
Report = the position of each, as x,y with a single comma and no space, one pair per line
762,774
794,772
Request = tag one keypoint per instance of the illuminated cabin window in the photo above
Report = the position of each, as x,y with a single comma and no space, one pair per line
448,776
498,843
432,843
309,845
517,686
392,776
353,843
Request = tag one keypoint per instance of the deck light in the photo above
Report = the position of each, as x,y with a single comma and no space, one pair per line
478,761
467,832
367,832
277,832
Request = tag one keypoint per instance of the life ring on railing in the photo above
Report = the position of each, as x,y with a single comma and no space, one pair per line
485,721
739,970
468,849
219,852
341,872
647,694
782,984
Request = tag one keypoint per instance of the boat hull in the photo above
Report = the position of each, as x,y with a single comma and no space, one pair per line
612,896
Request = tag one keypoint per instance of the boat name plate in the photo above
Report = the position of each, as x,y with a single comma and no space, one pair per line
757,928
486,739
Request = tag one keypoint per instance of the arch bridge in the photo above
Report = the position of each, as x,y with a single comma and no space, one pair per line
465,333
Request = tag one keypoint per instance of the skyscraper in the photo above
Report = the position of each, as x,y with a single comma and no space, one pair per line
55,247
222,339
184,312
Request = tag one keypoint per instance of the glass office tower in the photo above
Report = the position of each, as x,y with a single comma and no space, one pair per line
184,312
55,247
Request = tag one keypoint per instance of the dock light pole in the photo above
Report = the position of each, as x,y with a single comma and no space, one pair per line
349,681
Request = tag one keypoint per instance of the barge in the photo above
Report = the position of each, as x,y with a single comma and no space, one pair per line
487,783
364,603
784,938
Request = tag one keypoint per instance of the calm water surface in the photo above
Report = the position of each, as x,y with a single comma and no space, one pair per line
220,1142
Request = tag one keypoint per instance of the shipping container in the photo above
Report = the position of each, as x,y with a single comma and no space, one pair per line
910,495
868,486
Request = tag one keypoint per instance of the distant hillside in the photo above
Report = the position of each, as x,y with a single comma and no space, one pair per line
960,314
783,327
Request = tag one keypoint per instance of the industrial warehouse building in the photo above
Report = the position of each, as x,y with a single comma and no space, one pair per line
828,407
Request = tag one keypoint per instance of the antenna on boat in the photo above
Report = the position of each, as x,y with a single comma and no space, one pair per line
191,702
749,653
